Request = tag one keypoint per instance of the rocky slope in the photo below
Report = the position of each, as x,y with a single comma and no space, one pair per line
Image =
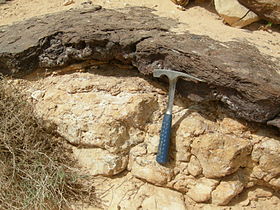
112,117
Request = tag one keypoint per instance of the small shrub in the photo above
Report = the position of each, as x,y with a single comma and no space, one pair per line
36,171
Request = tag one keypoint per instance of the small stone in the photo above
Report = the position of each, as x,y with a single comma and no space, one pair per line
68,2
227,190
194,167
146,168
275,182
38,94
201,192
100,162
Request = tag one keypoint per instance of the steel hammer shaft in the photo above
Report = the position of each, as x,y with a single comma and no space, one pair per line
165,133
163,148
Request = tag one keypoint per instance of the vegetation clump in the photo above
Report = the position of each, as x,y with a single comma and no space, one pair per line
36,171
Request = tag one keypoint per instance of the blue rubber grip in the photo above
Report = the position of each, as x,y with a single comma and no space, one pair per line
164,141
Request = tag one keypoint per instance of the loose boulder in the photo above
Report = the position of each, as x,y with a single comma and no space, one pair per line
234,14
268,9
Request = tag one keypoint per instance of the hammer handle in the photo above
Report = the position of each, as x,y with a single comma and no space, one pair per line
164,141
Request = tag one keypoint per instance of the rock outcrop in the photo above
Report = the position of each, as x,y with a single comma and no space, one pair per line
268,9
248,85
112,117
235,14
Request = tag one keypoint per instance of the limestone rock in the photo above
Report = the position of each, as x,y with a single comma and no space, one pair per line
229,125
267,155
182,182
234,13
268,9
145,167
152,197
220,155
201,191
191,126
100,162
194,167
78,106
227,190
125,110
127,192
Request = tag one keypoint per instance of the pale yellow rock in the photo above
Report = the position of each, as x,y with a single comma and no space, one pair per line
152,144
228,189
150,197
234,13
191,126
182,182
148,169
194,167
100,162
119,117
229,125
267,155
221,155
201,191
127,192
260,192
275,182
88,111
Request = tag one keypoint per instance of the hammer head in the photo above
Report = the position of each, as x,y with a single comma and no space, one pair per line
173,75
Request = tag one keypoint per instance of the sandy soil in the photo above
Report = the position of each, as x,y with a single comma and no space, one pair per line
196,19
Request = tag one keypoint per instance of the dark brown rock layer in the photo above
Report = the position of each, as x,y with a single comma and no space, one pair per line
236,73
266,9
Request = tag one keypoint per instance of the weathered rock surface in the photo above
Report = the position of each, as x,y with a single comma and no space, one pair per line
234,14
100,162
225,192
213,157
228,189
248,85
266,155
130,193
266,9
201,192
116,128
220,155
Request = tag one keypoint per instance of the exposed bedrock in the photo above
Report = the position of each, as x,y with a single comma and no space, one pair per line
112,118
236,73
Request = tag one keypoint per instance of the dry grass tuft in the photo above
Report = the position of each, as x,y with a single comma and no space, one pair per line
35,170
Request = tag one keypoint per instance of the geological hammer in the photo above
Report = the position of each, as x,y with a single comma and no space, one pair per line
164,141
